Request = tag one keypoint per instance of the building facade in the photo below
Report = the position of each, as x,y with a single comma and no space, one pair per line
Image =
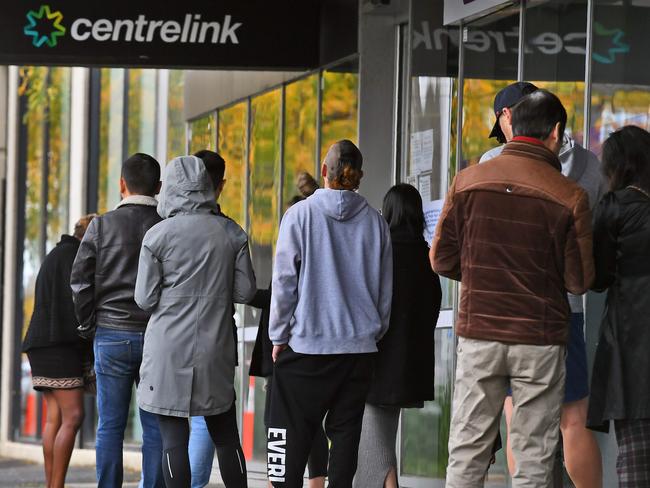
414,93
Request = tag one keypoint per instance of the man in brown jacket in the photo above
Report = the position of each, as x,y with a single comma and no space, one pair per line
517,234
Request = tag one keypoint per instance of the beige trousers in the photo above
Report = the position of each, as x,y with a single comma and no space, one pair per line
484,370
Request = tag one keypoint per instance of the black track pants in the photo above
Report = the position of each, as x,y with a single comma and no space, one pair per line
318,456
175,432
306,390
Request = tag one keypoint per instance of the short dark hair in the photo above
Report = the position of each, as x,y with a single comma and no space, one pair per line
536,114
141,174
295,199
215,165
402,207
626,158
82,224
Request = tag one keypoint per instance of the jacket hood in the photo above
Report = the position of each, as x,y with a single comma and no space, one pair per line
186,188
339,204
573,158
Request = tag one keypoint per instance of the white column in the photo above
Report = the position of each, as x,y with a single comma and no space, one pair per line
10,244
78,144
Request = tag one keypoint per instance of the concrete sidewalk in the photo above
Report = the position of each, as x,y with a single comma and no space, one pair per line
23,474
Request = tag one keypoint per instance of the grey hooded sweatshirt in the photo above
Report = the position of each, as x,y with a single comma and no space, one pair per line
193,266
332,277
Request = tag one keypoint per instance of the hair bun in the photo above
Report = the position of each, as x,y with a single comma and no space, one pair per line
350,178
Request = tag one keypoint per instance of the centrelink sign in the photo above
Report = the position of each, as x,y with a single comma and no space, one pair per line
223,33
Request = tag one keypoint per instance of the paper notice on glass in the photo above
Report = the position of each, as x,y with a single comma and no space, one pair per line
431,216
412,180
424,186
421,151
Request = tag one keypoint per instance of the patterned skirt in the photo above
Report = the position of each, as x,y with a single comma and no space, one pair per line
56,367
633,462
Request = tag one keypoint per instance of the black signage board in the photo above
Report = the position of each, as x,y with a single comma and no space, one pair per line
621,43
555,45
236,34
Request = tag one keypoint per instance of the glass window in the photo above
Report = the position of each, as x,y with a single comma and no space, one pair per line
203,133
45,106
430,126
233,134
175,116
264,181
111,130
556,33
34,92
425,432
58,155
620,72
340,105
254,430
491,47
142,111
300,112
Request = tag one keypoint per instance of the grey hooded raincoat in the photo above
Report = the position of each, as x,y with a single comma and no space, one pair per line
193,265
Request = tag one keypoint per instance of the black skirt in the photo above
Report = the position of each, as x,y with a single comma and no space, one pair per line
56,367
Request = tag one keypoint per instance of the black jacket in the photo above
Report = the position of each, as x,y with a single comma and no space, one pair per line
106,267
53,321
619,387
262,357
404,369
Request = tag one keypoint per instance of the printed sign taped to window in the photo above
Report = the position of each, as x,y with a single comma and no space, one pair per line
432,212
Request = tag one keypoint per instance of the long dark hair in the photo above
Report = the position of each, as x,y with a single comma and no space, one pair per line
626,158
402,208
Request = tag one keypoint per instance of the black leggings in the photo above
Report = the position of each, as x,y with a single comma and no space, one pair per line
175,432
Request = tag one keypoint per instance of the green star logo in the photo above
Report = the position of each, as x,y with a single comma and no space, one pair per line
44,26
617,45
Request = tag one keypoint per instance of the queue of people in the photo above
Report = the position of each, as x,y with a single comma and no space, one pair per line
143,295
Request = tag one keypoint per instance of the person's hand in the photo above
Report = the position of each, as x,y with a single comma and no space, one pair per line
277,350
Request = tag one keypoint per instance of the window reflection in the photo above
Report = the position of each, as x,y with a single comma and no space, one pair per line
620,71
425,432
45,111
301,103
58,155
264,160
429,135
491,65
142,111
555,55
254,430
34,92
340,105
175,116
203,133
233,133
111,119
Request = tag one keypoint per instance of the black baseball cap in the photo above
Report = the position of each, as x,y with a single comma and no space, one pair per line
340,154
507,98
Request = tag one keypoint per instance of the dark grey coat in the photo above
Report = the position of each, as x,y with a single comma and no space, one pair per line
193,266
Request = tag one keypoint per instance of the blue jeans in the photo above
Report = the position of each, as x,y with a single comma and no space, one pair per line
118,355
201,451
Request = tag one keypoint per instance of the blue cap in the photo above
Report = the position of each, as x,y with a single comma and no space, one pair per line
507,98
